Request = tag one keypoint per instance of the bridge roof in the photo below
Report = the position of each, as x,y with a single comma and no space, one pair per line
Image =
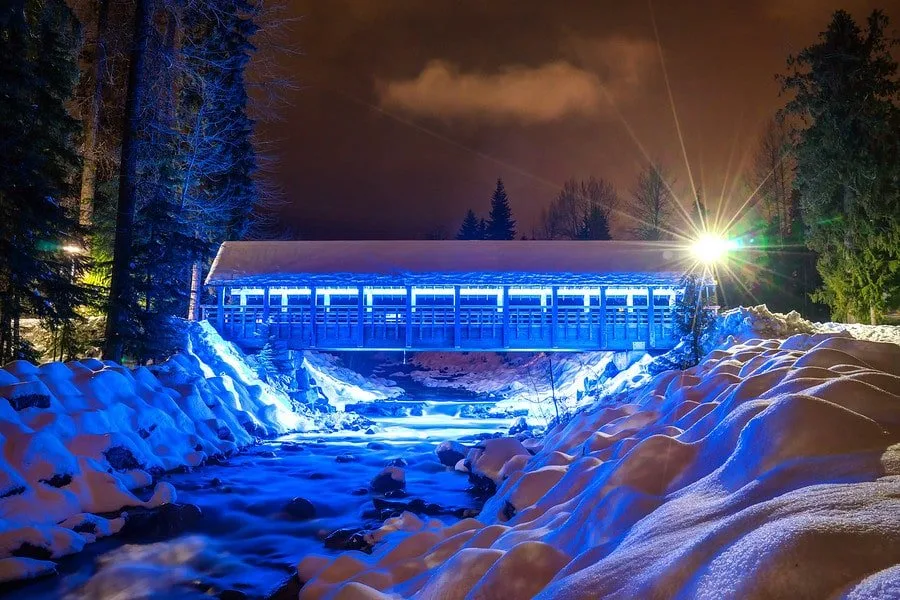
445,262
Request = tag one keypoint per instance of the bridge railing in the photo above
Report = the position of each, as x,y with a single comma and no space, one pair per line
477,327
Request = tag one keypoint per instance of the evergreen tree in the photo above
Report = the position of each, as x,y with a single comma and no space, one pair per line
163,244
693,317
845,93
38,162
595,225
470,228
122,299
192,171
219,191
653,205
500,225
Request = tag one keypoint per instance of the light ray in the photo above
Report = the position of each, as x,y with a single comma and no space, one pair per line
675,113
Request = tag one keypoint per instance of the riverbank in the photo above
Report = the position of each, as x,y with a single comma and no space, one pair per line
769,470
81,438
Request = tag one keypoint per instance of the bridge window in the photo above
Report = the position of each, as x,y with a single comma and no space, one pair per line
478,300
337,300
617,301
433,300
639,300
525,300
388,301
661,300
570,300
253,300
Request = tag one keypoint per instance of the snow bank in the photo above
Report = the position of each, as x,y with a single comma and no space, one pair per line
78,438
772,469
342,386
523,383
746,323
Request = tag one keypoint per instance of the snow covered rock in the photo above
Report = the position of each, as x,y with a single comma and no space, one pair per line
78,438
771,469
489,457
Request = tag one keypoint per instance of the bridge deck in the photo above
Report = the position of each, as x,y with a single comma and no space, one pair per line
419,319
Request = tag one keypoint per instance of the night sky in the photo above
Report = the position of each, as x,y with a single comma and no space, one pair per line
408,110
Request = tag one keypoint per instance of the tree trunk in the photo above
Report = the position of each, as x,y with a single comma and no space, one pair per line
873,316
92,120
194,302
121,290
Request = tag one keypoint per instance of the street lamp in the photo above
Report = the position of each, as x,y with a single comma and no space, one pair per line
711,249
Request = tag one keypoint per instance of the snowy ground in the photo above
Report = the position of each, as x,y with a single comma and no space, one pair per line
772,469
660,491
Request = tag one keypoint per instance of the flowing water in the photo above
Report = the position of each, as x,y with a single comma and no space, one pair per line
246,541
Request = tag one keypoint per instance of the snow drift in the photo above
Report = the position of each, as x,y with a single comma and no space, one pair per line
341,386
78,438
772,469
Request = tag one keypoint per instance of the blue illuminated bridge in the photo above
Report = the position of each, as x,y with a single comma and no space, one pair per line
447,295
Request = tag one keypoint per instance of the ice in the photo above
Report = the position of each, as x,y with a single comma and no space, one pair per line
771,469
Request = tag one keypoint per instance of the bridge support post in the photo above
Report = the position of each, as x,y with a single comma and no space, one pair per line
504,334
409,315
602,336
457,321
554,328
220,310
360,317
651,330
312,317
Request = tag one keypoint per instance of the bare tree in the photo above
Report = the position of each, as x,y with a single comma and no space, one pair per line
774,175
653,205
576,205
91,113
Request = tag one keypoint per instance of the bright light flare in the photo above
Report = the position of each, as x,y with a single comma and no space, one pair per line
710,248
72,249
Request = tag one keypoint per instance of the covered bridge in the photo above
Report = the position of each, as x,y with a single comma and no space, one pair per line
448,295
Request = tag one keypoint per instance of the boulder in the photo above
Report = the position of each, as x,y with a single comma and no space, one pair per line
450,453
300,509
390,478
162,522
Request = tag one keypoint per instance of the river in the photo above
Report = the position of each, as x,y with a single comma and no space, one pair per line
246,541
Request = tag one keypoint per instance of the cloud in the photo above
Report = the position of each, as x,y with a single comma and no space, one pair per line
598,71
530,94
623,63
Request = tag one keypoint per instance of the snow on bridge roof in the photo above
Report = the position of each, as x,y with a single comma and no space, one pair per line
437,262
